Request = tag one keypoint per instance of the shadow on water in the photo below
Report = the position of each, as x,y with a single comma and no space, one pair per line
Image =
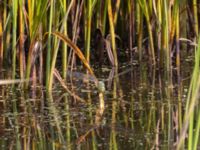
143,110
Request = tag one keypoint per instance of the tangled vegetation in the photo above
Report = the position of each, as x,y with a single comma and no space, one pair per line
37,35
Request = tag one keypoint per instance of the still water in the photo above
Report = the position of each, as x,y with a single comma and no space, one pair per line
143,109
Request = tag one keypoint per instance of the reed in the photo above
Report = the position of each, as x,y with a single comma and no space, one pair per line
165,35
139,29
77,51
64,51
49,49
34,48
177,39
147,13
7,30
112,32
162,31
153,29
196,25
115,15
192,106
21,40
14,37
158,12
88,20
1,35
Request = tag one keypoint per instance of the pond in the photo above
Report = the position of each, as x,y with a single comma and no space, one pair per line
143,109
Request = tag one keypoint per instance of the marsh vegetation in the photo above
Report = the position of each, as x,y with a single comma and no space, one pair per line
99,74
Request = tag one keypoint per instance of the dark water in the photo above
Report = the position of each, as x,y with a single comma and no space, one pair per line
143,110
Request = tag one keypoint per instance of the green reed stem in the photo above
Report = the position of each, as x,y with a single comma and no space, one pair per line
194,87
139,29
196,26
52,66
158,32
150,6
192,99
21,40
165,35
64,51
1,34
49,49
53,61
5,17
30,16
146,12
88,29
112,32
14,36
35,47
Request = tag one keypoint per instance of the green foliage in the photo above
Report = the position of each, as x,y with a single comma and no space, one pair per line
149,28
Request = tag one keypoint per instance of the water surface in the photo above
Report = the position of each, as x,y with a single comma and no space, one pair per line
143,110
